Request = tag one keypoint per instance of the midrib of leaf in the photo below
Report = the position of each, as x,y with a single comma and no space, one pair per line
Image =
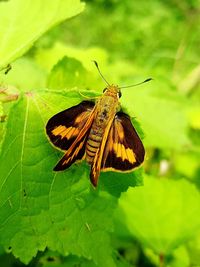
23,142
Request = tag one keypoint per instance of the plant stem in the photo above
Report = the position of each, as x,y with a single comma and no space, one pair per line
161,260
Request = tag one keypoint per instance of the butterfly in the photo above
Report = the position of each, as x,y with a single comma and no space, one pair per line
98,132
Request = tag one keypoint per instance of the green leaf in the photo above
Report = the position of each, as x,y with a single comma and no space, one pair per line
22,70
40,208
68,73
187,164
194,250
115,183
163,214
161,115
47,58
52,259
24,21
180,258
194,116
1,109
1,124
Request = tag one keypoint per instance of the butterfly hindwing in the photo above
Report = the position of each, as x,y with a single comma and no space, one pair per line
123,150
76,153
64,127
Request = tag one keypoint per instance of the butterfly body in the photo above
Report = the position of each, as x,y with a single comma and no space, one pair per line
99,133
106,108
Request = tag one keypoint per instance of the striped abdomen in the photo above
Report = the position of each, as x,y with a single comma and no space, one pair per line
93,143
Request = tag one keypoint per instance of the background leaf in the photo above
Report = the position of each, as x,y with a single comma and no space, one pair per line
156,219
27,21
67,72
1,109
48,57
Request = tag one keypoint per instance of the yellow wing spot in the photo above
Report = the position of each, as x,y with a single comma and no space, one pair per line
131,155
124,155
80,118
118,150
120,131
73,132
114,147
58,130
65,132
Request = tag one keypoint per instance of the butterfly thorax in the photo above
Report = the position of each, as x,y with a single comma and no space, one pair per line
106,108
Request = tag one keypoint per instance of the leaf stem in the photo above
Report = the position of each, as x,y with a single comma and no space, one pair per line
161,260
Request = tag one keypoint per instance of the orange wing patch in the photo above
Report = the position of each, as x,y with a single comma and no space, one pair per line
65,132
122,152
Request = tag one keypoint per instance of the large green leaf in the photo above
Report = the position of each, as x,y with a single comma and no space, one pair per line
24,21
41,208
163,213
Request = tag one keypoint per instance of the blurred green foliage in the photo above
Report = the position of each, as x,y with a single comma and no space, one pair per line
59,220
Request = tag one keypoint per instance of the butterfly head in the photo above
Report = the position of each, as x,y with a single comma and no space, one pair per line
112,90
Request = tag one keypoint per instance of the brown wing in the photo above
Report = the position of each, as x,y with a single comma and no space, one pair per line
123,150
74,153
69,129
64,127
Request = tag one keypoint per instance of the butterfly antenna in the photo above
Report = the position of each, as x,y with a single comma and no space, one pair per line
145,81
96,64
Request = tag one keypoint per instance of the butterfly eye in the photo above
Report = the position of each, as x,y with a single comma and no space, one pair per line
119,94
104,90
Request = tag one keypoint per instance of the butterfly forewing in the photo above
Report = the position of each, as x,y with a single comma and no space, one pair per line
123,150
69,131
64,127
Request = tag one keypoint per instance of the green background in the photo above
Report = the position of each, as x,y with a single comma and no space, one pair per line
146,218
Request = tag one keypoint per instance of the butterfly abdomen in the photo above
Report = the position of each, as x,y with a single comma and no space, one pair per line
95,137
93,143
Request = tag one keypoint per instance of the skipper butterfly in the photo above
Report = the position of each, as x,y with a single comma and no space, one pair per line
98,132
